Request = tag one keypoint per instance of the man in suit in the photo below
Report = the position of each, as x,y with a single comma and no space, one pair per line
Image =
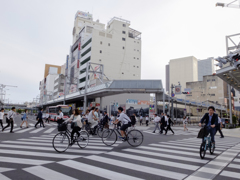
105,119
211,121
162,123
39,118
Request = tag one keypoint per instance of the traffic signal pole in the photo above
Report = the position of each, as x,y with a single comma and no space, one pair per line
172,102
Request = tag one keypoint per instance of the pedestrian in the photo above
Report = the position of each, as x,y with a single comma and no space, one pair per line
147,120
47,118
141,119
10,119
92,118
1,117
169,122
112,120
39,118
60,115
185,123
162,126
218,128
166,119
25,119
156,121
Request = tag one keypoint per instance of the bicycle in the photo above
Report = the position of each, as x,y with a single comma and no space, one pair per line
110,136
100,129
206,144
61,141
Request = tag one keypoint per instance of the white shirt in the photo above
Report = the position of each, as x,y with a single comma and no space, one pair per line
11,114
112,118
1,115
156,119
96,114
166,119
147,118
124,118
219,120
61,115
90,116
141,117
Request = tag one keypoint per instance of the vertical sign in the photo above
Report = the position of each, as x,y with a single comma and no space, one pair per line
67,61
178,90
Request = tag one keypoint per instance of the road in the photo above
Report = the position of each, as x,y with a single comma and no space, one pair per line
28,154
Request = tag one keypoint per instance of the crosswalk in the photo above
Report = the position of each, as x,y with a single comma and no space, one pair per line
178,159
49,128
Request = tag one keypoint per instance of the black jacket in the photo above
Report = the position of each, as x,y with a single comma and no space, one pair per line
214,120
163,120
39,115
105,119
170,121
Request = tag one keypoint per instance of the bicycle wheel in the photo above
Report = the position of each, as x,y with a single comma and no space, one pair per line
202,150
100,132
212,148
109,137
88,129
134,137
61,142
83,139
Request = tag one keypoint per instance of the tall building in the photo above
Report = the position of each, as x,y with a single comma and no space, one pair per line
167,77
183,70
205,67
117,47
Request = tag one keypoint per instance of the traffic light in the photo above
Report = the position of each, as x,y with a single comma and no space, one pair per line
185,92
236,57
221,61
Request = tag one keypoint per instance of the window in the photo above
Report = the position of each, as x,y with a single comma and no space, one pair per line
134,58
124,32
213,79
208,80
124,25
137,50
108,44
134,41
123,47
100,51
133,66
134,49
137,58
122,72
100,60
123,39
100,42
137,67
133,74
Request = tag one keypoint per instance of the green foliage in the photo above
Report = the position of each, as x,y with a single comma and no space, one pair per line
19,111
234,119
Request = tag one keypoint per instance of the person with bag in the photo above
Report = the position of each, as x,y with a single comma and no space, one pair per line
169,125
211,121
147,120
76,124
1,117
156,121
10,119
39,118
218,128
162,122
24,119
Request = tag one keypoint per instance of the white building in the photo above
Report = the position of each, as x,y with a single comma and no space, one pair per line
183,70
117,46
205,67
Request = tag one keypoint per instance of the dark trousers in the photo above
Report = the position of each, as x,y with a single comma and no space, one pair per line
9,122
141,122
76,129
1,123
220,131
147,122
39,121
47,120
212,132
162,128
169,128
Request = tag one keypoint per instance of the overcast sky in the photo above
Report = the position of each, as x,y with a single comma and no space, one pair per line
36,32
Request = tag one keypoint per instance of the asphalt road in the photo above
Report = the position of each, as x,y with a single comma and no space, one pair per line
28,154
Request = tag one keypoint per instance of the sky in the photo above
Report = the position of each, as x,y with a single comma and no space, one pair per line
36,32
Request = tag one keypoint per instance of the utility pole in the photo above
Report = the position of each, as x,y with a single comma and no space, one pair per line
172,102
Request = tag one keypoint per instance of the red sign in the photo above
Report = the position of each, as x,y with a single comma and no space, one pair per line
79,46
78,64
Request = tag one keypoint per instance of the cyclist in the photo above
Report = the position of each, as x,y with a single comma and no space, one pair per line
126,122
211,121
76,119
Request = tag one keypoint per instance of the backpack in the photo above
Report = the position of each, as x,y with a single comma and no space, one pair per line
133,120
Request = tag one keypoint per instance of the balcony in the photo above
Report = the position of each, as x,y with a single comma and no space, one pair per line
82,75
82,67
85,57
81,85
86,48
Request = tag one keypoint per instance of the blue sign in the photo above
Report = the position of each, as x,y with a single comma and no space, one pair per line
173,94
132,101
179,100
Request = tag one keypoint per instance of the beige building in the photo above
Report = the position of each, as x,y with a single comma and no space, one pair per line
183,70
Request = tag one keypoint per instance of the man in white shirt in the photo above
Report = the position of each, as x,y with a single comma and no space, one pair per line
1,117
218,128
11,115
125,121
92,118
147,120
60,114
166,119
156,121
141,119
112,119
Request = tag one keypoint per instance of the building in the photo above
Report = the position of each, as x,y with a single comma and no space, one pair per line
205,67
183,70
117,46
58,86
51,69
167,78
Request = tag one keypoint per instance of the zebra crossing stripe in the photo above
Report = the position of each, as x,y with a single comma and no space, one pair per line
5,169
230,174
175,151
136,167
236,160
167,156
59,145
198,143
97,171
235,166
37,130
2,177
155,161
182,148
40,154
80,151
23,161
50,130
47,174
14,129
25,130
31,124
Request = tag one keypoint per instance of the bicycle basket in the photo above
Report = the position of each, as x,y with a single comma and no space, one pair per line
62,127
60,121
203,132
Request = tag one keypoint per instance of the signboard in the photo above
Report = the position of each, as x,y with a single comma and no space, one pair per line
60,94
132,101
73,88
83,15
96,75
187,89
143,103
178,90
173,94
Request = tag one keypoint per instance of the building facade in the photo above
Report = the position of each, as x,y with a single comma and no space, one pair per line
205,67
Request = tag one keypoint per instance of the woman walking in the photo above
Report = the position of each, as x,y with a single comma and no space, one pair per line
25,119
1,117
169,122
185,123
